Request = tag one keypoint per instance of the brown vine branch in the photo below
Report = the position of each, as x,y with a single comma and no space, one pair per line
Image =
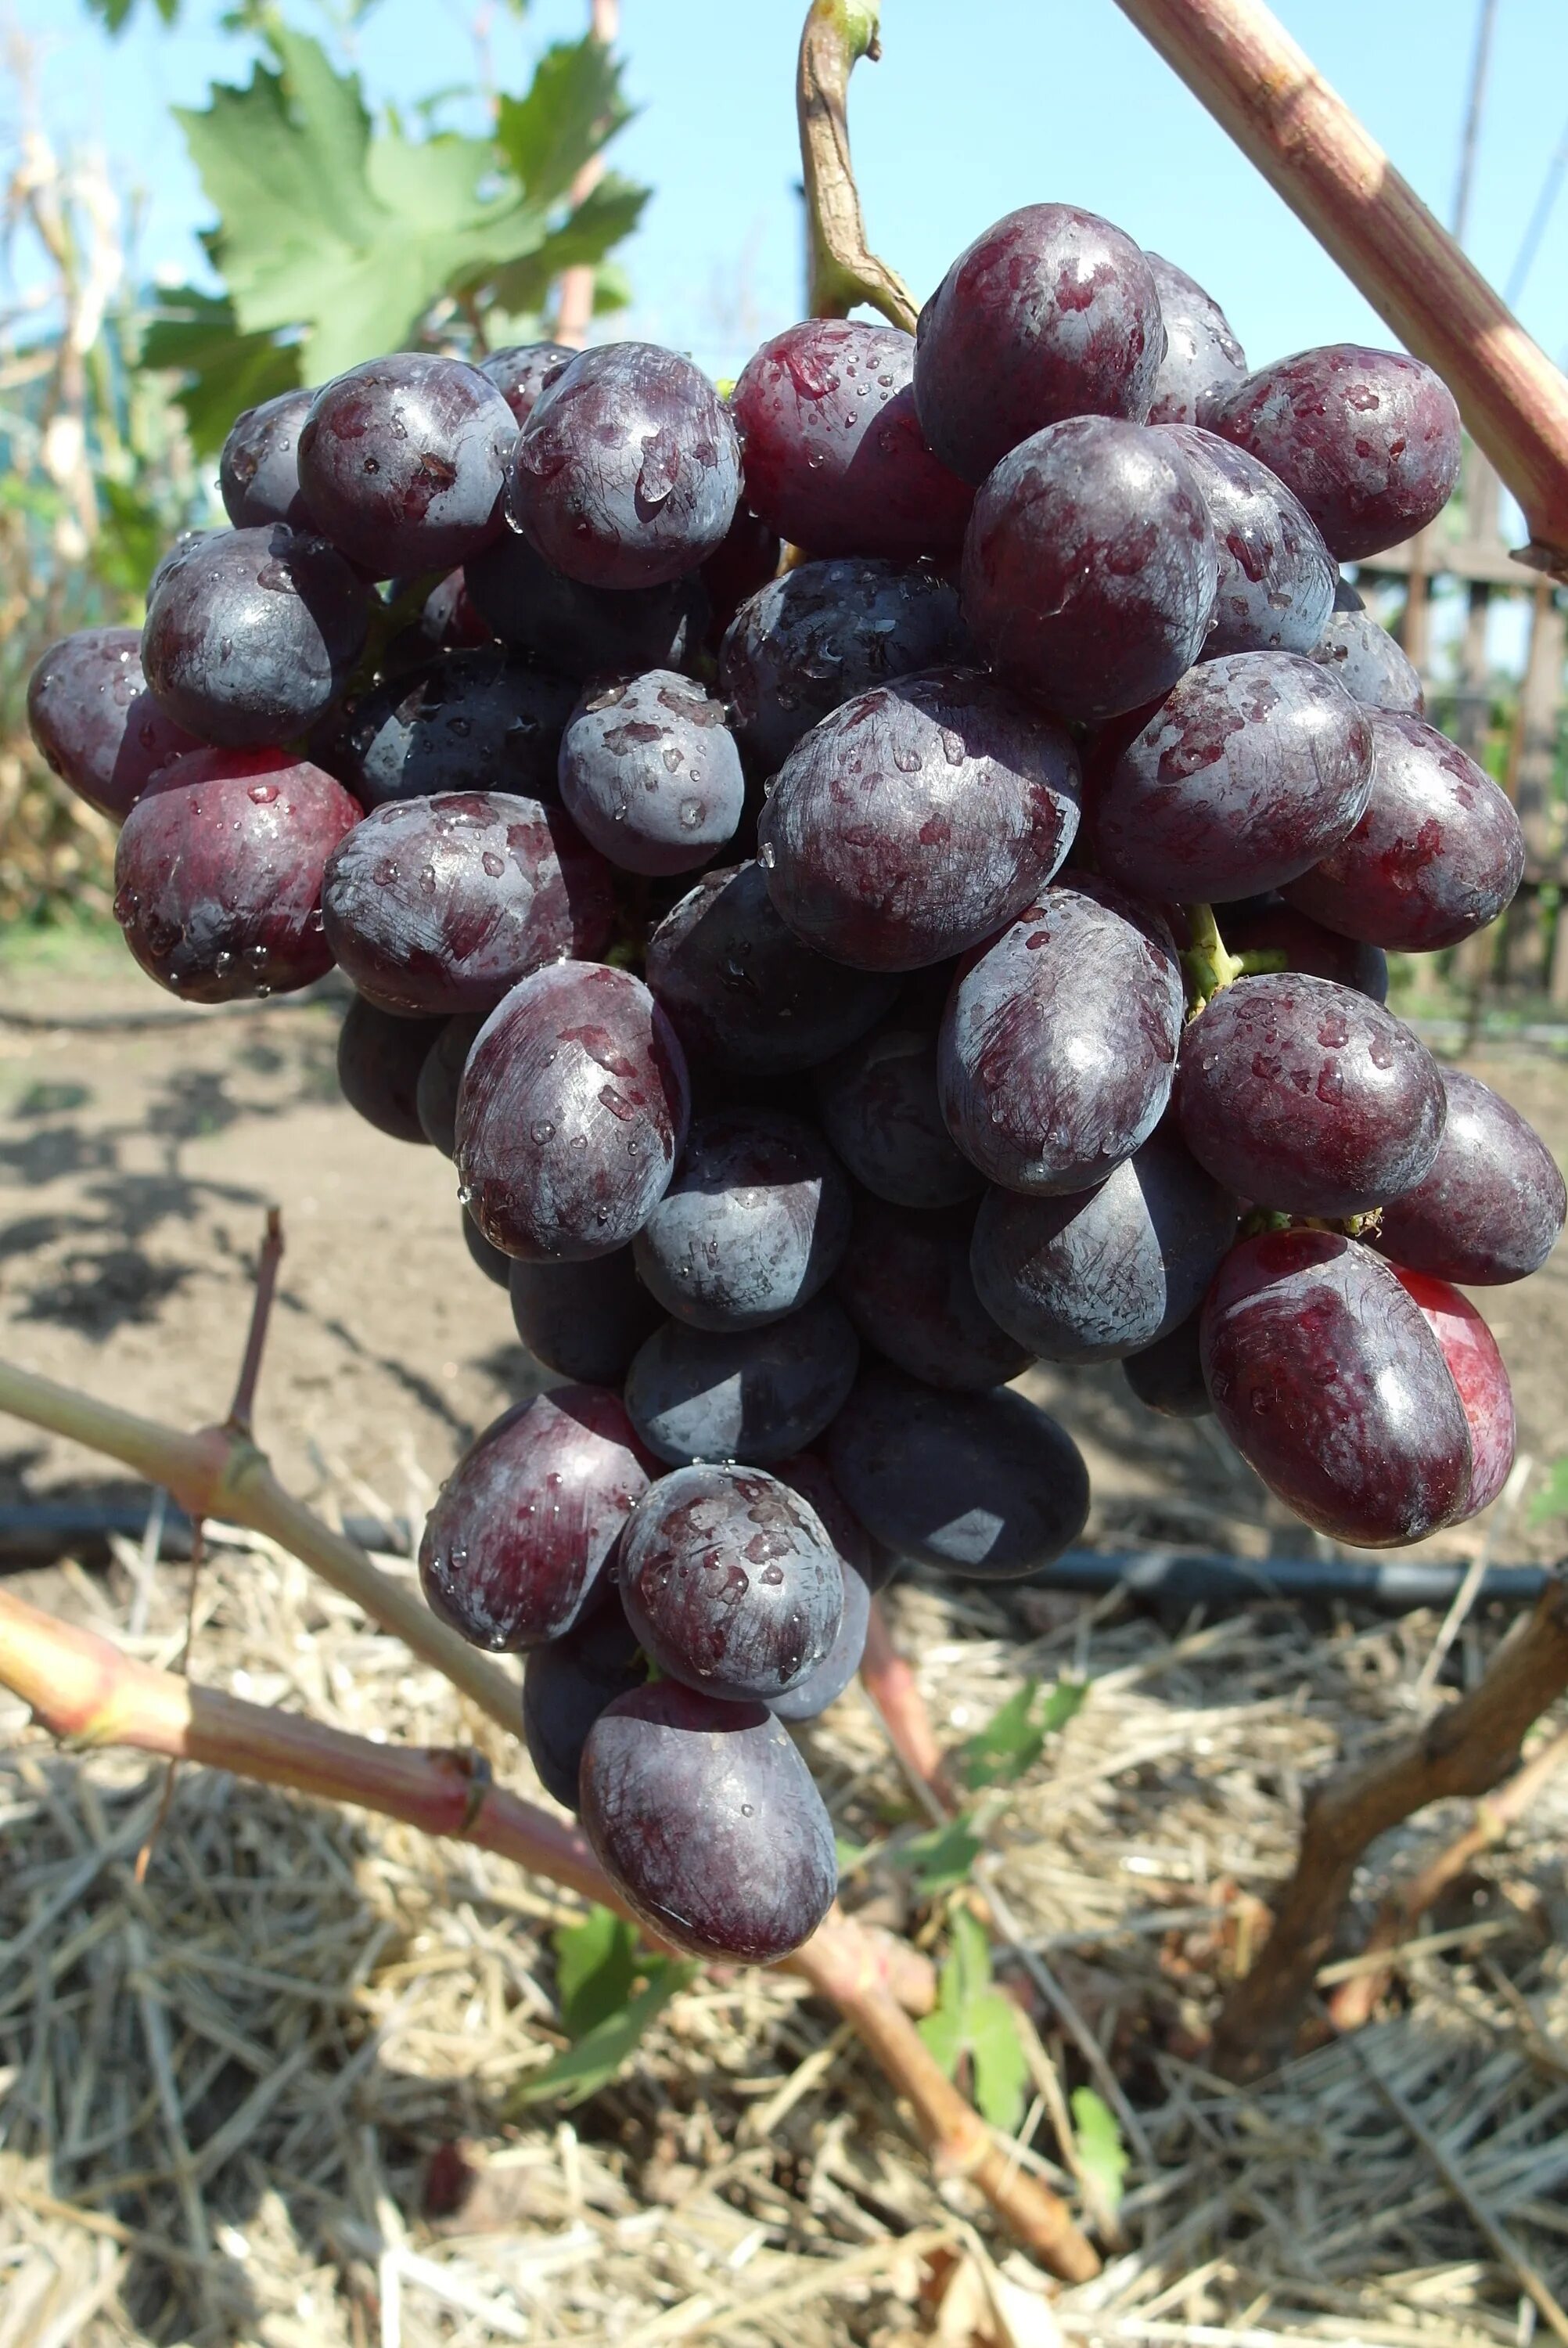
243,1409
1239,59
1355,1999
894,1691
1466,1748
843,268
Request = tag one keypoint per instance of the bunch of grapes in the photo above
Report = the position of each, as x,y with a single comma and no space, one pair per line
774,840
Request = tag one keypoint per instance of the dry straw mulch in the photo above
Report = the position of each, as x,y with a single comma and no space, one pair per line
261,2096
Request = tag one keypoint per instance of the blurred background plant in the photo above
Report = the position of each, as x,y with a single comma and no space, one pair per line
337,232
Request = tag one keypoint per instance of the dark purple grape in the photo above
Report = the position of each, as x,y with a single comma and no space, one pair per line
258,468
754,1223
628,472
583,1320
96,724
879,1107
402,461
219,873
1203,357
1370,440
1104,1272
477,721
484,1257
568,1683
1059,1043
905,1284
441,905
863,1569
251,635
1368,664
1476,1368
705,1818
650,772
522,372
824,632
738,569
808,1474
572,1113
379,1058
1306,1097
1168,1376
1331,1385
1437,856
524,1528
755,1395
834,457
1270,926
1090,568
917,819
584,632
742,992
441,1080
1050,313
1252,768
731,1582
982,1485
1276,578
449,622
1490,1207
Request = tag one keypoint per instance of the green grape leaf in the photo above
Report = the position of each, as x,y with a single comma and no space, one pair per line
974,2017
609,212
1061,1702
1101,2152
1013,1739
595,1963
195,335
573,2076
575,104
1552,1500
940,1860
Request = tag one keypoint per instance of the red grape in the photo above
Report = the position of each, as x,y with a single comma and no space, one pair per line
96,724
753,1224
1469,1349
251,635
259,467
755,1395
907,1286
1490,1205
1203,357
1276,578
379,1059
402,461
650,772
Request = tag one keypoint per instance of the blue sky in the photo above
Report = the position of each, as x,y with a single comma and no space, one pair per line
973,110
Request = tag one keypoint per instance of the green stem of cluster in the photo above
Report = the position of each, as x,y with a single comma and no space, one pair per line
1208,963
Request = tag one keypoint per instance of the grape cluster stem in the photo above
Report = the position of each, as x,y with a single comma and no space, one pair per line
843,268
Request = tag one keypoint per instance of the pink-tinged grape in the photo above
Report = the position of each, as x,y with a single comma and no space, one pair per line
813,639
523,1530
379,1060
1253,768
1276,578
583,632
1370,440
1052,313
1059,1043
1328,1380
754,1223
863,1568
1437,856
1307,1098
755,1395
583,1320
1168,1376
743,992
479,720
441,1081
1372,668
523,372
836,460
251,635
650,773
96,724
1490,1206
402,462
880,1108
917,819
731,1582
568,1683
1270,926
1104,1272
739,566
907,1286
259,467
1203,357
572,1113
628,472
1476,1368
1090,567
987,1486
219,873
441,905
706,1819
